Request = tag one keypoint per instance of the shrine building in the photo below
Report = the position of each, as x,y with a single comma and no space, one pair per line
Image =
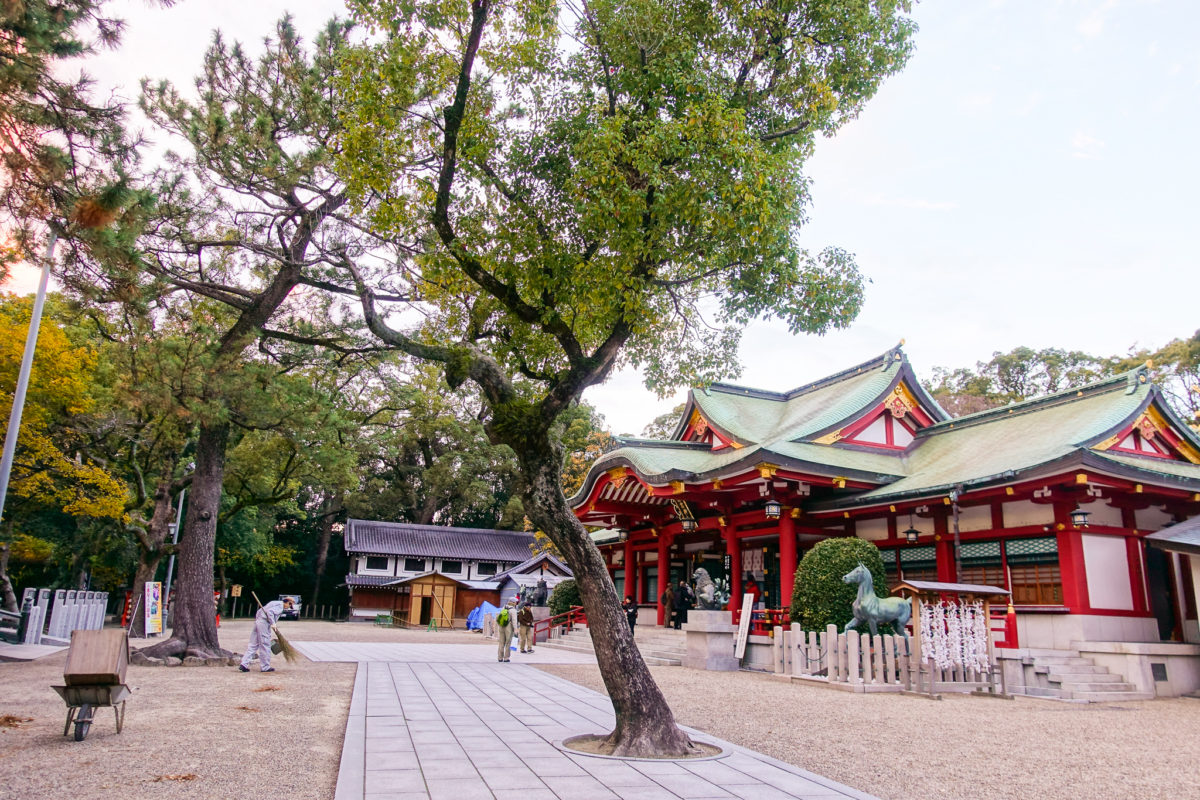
1051,498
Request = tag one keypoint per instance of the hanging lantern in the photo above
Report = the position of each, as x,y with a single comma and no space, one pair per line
912,534
1079,517
773,509
689,525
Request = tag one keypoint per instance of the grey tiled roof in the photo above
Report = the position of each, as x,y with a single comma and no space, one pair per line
370,580
436,541
1183,537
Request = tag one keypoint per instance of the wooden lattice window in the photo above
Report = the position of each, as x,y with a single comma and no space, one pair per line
918,563
1033,567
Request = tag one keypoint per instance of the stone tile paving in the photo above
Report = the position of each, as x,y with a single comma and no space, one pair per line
441,724
482,653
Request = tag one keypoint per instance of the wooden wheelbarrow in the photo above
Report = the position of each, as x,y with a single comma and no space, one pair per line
82,702
95,678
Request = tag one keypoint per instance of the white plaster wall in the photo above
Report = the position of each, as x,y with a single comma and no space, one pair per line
1104,514
1152,519
975,518
871,529
1107,564
1027,512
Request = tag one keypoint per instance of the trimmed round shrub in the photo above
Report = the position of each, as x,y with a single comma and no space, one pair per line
819,597
565,595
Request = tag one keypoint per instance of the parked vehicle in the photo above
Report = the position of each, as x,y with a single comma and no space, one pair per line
294,611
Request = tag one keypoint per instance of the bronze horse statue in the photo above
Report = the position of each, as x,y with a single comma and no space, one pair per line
871,609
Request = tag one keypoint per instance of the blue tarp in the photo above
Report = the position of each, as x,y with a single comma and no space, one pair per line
475,618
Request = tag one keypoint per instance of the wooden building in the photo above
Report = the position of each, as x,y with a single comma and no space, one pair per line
1051,498
419,573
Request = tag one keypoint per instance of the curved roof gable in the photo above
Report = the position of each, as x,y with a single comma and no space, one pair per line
754,416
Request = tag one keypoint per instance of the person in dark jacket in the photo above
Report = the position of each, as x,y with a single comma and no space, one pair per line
668,604
683,601
525,628
631,610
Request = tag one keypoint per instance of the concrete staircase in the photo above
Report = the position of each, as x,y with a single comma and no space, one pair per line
659,646
1065,675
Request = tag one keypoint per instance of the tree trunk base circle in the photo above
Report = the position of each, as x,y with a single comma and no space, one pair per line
598,745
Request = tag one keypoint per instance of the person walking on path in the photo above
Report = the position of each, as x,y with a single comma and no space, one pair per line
525,629
504,630
631,610
668,604
260,634
683,601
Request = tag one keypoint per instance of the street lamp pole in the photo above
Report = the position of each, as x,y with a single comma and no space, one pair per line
18,406
174,540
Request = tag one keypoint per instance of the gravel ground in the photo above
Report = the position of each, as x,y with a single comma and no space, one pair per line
912,748
205,732
197,732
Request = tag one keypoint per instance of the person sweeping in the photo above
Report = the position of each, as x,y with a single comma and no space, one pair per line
260,634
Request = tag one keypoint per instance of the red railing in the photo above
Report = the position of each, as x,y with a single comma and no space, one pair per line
764,620
1003,627
566,620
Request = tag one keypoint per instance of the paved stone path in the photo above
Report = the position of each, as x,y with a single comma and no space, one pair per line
438,723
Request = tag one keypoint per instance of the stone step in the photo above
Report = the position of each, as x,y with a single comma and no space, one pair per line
1110,697
1087,668
1075,687
1084,677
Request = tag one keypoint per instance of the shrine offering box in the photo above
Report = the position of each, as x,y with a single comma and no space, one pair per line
97,657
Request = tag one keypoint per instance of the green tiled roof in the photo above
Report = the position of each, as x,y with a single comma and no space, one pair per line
1014,438
1160,466
989,447
760,417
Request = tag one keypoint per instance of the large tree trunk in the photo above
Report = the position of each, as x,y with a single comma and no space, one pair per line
150,553
645,724
193,625
330,517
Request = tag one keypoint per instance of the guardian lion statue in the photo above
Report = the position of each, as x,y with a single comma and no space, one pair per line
710,594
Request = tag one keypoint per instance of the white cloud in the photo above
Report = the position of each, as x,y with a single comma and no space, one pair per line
1084,145
1093,24
880,199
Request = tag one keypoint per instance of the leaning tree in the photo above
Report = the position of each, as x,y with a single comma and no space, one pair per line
237,233
596,183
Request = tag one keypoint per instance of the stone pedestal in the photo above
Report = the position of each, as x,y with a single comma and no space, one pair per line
710,639
540,613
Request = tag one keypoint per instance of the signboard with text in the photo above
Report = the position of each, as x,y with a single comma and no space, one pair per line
153,607
743,632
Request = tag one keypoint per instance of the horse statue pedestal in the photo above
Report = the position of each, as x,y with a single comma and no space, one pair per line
710,641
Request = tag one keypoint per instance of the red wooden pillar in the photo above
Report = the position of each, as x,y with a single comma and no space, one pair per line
634,590
664,575
630,567
945,550
787,558
1070,559
734,550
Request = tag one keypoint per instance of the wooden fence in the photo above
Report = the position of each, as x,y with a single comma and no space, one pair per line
864,663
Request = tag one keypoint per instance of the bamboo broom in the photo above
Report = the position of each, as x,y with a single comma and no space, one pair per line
290,654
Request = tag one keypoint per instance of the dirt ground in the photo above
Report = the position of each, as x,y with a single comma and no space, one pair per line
214,732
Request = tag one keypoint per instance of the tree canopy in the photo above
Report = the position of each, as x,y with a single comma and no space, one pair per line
587,185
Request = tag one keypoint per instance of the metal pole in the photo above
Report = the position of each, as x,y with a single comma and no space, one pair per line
954,495
174,540
14,419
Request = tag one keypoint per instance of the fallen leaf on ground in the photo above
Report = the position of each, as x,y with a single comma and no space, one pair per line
268,688
248,708
12,721
187,777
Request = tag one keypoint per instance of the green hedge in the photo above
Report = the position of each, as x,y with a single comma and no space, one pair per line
565,595
819,597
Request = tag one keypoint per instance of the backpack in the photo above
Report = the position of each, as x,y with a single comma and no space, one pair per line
502,617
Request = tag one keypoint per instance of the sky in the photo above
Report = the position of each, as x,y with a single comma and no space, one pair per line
1029,179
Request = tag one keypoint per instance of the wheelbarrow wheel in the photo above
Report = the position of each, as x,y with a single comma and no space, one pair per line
83,722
